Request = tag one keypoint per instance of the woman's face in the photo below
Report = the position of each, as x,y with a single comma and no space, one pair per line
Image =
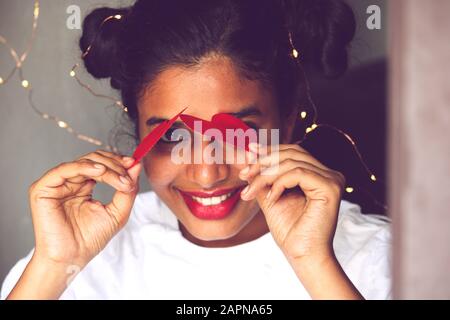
205,197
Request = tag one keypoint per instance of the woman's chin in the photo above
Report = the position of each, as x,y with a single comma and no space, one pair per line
218,230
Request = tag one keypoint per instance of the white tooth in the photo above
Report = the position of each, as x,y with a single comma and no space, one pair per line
212,200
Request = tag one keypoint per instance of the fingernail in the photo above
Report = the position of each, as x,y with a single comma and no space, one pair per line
99,166
245,191
125,180
254,146
127,159
251,157
244,171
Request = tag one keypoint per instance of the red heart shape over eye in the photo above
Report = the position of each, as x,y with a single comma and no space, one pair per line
152,139
221,122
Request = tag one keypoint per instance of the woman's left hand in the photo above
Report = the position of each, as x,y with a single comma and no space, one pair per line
302,220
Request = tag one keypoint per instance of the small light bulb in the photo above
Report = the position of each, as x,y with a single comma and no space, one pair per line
308,130
72,73
314,126
120,104
295,53
36,10
62,124
25,84
1,80
349,189
303,115
373,178
118,16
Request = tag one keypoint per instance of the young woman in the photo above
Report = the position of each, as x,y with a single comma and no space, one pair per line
222,231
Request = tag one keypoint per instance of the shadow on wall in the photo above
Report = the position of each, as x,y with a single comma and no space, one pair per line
356,104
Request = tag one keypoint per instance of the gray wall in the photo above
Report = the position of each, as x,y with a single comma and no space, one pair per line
368,45
420,153
30,146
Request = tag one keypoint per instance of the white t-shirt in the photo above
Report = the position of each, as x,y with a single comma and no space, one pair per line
150,259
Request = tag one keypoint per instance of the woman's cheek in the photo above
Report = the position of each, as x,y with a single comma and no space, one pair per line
159,168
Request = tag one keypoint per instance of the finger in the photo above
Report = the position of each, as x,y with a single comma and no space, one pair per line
258,148
270,175
293,146
125,161
109,176
83,194
122,182
71,190
115,180
60,174
251,157
277,157
122,202
107,161
314,185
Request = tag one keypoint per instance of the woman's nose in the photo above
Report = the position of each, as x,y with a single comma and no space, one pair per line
207,171
208,176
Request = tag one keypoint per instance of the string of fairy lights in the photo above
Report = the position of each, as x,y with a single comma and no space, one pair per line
19,61
74,75
316,125
25,83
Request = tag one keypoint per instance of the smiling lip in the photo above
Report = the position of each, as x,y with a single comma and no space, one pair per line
214,205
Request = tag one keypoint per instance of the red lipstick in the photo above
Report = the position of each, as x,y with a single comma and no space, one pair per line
214,205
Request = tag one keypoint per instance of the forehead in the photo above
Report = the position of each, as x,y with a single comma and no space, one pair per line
214,86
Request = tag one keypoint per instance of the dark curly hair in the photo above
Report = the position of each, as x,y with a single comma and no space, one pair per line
156,34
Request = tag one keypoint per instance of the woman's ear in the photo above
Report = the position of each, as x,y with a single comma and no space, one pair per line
289,126
290,120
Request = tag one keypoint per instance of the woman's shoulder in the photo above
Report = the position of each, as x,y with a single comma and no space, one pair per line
358,229
363,246
351,212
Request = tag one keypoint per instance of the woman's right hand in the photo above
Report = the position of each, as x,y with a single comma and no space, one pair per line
70,227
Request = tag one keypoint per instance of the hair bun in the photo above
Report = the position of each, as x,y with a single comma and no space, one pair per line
322,31
102,58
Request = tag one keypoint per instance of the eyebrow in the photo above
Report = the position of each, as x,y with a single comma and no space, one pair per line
245,112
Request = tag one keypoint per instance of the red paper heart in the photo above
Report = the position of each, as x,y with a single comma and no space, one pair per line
221,122
152,139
